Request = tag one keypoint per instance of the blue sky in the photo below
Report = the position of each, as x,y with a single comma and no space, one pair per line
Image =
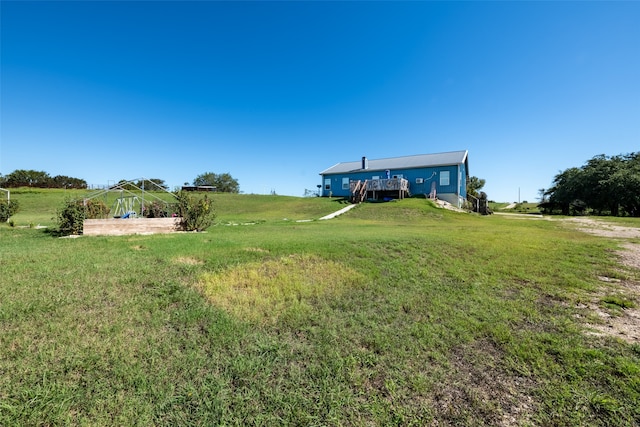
276,92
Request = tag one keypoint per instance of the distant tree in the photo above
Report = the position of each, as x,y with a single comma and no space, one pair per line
27,178
40,179
542,195
61,181
124,184
151,184
474,185
224,182
565,192
603,185
599,184
628,180
207,178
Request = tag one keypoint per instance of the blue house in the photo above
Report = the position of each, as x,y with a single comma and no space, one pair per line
441,175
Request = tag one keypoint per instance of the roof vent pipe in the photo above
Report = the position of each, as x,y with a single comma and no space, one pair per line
365,163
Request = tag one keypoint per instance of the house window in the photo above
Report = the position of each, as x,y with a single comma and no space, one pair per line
327,184
444,178
345,183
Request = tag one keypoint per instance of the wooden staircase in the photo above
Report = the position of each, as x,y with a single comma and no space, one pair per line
358,191
432,194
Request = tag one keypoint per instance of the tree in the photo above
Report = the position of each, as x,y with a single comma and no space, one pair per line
603,185
223,183
61,181
27,178
40,179
629,182
542,195
566,190
600,188
151,184
474,184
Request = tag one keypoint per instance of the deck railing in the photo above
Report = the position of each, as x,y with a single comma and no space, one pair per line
391,184
360,189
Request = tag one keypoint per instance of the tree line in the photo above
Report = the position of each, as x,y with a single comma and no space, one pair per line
605,185
223,182
39,179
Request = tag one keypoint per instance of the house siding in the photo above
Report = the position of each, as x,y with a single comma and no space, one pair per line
451,192
421,171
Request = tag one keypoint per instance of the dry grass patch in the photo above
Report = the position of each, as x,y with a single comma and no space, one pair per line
257,250
264,292
188,260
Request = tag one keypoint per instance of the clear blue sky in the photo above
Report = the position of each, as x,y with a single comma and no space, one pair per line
276,92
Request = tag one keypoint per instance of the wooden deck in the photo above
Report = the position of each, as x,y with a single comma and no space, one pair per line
378,188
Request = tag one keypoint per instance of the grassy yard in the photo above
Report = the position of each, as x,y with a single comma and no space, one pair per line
528,208
393,314
39,206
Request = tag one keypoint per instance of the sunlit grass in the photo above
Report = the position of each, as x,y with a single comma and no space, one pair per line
290,286
394,314
39,206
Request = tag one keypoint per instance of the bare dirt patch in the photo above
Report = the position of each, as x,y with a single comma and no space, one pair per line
479,381
630,255
626,323
605,229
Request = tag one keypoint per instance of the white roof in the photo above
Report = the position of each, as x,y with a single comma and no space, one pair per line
406,162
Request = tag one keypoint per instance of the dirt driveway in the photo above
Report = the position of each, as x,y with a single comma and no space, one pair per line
630,256
624,325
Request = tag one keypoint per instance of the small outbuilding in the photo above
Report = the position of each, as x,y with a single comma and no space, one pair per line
440,175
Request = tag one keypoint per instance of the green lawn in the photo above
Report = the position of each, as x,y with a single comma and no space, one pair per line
393,314
39,206
529,208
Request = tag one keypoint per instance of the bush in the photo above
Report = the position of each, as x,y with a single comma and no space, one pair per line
197,213
156,209
96,209
71,217
8,208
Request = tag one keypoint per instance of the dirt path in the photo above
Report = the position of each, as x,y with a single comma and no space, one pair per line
625,325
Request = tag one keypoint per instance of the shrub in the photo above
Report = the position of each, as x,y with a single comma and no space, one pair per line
197,213
71,217
156,209
96,209
8,208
